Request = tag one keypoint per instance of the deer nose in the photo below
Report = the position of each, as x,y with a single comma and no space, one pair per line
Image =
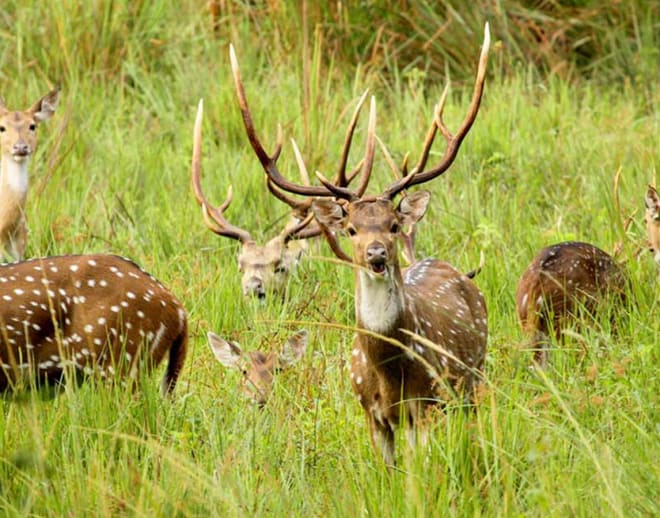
376,253
21,149
255,287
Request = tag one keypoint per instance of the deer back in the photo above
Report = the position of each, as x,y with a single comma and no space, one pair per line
99,314
562,278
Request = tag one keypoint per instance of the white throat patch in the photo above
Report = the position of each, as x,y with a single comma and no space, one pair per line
15,174
380,305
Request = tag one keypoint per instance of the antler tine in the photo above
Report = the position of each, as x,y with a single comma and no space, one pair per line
340,179
453,141
294,231
370,150
267,162
219,225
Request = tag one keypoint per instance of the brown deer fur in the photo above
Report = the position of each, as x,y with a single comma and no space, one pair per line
99,314
561,281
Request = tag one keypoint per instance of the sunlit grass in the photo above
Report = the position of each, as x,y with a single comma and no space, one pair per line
537,168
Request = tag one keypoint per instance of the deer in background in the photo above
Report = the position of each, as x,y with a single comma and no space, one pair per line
99,314
259,368
652,218
18,141
265,268
419,327
562,281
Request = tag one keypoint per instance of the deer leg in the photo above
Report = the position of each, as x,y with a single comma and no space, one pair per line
382,439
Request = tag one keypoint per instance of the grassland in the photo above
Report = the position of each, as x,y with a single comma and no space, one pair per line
112,175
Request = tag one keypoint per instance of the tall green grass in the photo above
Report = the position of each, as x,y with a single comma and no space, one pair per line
538,167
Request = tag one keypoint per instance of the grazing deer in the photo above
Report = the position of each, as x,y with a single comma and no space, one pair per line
99,314
18,140
419,326
264,268
653,222
259,368
561,281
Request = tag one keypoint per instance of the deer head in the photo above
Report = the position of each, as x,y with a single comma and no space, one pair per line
18,141
264,268
259,368
652,218
562,281
100,315
430,300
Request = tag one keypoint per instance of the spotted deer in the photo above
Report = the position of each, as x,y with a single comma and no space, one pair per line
562,282
653,222
257,367
18,141
101,315
264,268
420,328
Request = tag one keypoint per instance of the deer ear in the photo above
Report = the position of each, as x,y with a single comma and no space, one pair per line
227,353
44,108
329,213
294,348
413,207
652,202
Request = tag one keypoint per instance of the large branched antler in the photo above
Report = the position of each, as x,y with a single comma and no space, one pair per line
418,175
213,216
269,161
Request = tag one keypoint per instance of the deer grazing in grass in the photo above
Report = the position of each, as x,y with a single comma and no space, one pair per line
419,327
18,140
101,315
652,218
259,368
264,268
563,281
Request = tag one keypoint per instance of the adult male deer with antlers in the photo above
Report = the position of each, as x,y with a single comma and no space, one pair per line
419,327
99,314
264,268
18,140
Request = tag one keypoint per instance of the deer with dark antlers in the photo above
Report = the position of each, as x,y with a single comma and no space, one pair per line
419,327
100,315
265,268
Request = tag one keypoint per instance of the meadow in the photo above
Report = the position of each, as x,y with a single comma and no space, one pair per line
112,174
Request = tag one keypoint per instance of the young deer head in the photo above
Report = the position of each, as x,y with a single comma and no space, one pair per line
395,374
653,222
562,281
18,140
259,368
99,314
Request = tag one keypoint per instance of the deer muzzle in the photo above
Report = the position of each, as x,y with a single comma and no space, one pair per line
377,258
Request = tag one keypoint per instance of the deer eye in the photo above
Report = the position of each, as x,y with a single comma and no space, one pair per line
280,268
351,231
394,228
2,129
32,127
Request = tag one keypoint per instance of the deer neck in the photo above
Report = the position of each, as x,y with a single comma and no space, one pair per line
379,302
14,176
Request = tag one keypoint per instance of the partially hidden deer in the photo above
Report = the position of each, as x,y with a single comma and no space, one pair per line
264,268
257,367
420,328
99,315
563,282
652,218
18,141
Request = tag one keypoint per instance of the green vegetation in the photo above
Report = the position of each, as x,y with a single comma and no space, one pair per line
112,174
